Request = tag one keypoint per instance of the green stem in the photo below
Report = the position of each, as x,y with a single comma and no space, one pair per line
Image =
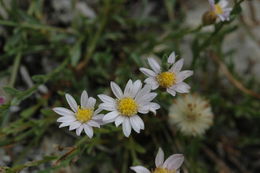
205,44
15,69
35,26
93,43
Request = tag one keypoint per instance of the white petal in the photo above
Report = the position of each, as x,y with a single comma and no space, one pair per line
107,106
141,122
98,117
171,91
74,125
171,58
116,90
140,169
223,3
128,88
177,66
93,123
174,162
105,98
143,109
183,75
153,107
97,111
111,116
79,130
63,111
126,127
148,72
159,158
146,98
88,130
212,4
145,90
154,65
119,120
222,18
182,87
91,102
66,119
226,14
153,82
137,85
135,124
84,99
64,124
71,101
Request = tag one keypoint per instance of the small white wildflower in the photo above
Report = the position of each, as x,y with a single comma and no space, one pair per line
170,165
172,79
192,114
220,9
82,117
125,108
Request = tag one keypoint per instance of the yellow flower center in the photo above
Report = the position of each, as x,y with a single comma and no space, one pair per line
218,9
84,115
127,106
163,170
166,79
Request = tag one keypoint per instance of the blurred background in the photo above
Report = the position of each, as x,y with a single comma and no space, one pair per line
52,47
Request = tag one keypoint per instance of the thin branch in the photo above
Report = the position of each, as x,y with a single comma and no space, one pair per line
93,43
217,160
15,69
36,26
231,78
64,156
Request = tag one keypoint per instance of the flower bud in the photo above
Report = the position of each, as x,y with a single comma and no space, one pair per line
209,18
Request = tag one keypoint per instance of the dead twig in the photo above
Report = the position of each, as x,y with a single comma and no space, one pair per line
252,12
64,156
222,166
231,78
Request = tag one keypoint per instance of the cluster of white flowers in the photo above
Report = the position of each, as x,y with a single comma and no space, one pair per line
122,110
137,98
125,109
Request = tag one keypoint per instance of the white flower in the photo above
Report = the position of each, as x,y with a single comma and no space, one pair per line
172,79
125,108
82,117
192,114
170,165
220,9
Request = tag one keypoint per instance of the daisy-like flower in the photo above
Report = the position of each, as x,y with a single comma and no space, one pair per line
220,9
192,114
171,80
82,117
125,108
170,165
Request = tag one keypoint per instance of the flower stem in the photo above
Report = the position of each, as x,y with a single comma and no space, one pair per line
15,69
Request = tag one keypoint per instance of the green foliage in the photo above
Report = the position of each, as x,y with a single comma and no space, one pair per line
88,53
